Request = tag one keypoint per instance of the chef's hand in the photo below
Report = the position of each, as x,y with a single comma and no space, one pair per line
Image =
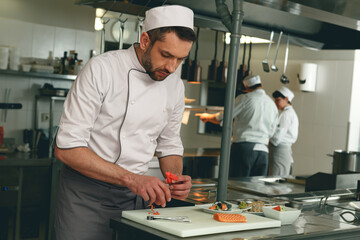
208,117
180,188
205,117
151,189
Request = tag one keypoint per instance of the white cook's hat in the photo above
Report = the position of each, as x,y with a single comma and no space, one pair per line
252,81
286,93
168,16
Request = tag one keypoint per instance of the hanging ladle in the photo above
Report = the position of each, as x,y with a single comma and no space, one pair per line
283,78
139,27
265,61
121,32
273,66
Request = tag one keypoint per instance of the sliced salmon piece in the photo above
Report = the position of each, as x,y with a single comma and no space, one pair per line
231,218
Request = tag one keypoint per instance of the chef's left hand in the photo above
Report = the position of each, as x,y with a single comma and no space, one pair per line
180,188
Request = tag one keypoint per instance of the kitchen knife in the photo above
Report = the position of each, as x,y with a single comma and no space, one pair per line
177,219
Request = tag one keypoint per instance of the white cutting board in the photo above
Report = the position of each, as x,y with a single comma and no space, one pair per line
202,223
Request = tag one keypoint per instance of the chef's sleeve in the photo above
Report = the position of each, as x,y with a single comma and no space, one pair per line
282,127
81,108
169,140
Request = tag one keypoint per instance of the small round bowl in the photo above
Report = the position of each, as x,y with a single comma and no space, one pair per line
285,217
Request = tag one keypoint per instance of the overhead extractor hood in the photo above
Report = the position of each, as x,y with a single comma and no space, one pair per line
330,24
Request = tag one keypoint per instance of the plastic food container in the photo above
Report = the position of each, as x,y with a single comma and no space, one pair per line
26,67
286,217
4,57
42,68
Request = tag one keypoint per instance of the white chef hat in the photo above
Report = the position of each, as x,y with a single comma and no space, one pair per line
284,91
252,81
168,16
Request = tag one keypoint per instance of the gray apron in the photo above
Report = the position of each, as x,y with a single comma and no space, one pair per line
280,160
84,206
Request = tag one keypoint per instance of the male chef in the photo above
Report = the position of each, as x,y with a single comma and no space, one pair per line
124,107
286,133
255,117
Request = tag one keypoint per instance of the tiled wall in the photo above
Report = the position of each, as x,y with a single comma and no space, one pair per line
36,40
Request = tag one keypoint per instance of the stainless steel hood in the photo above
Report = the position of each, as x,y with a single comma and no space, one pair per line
330,24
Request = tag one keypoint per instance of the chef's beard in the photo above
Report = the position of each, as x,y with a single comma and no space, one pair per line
146,61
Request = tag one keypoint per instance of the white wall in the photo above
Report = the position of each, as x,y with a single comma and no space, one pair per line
36,40
57,13
354,119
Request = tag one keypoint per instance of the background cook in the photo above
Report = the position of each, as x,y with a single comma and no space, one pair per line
286,133
255,117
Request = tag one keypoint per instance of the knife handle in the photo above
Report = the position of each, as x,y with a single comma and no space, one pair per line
10,105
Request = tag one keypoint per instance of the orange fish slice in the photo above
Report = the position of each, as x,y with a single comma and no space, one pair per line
231,218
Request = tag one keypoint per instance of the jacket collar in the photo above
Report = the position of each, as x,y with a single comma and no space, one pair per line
134,58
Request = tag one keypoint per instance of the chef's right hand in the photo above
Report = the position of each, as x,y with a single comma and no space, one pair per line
151,189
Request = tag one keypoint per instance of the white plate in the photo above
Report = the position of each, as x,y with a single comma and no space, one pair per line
205,207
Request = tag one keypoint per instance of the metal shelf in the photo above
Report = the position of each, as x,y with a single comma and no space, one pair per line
52,99
204,108
39,75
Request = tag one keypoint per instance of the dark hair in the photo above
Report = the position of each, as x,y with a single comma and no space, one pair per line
184,33
277,94
255,86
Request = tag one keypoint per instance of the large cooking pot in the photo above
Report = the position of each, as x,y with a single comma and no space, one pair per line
345,161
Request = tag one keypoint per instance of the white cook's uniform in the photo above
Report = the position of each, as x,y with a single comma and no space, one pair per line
255,115
285,136
115,109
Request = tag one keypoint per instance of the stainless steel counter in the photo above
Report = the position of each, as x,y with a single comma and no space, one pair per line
266,186
320,217
317,222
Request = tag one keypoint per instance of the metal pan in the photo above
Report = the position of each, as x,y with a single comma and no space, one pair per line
214,63
247,72
185,69
242,67
221,74
195,68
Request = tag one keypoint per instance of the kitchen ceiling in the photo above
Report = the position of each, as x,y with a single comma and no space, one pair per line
330,24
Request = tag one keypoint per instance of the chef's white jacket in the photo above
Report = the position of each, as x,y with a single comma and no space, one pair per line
287,128
115,109
255,115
